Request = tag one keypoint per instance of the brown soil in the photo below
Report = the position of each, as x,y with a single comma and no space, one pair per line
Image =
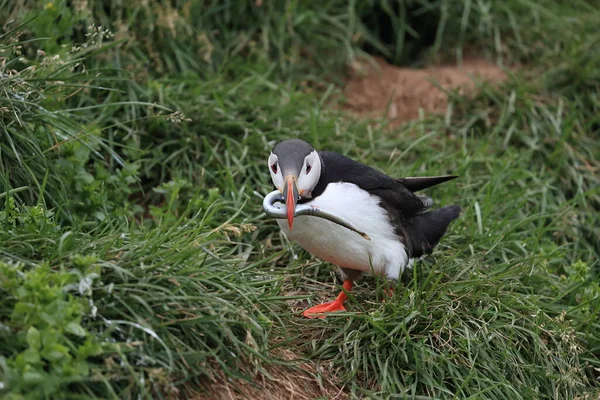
378,89
298,382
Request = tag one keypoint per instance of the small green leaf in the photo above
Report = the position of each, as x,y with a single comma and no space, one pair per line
75,329
31,356
48,318
89,348
53,355
33,377
82,368
55,352
33,338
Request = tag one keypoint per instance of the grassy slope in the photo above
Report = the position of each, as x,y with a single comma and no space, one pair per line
507,308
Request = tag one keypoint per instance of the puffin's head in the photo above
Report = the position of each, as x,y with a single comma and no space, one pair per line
295,170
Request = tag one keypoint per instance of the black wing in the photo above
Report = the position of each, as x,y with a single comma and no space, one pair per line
396,194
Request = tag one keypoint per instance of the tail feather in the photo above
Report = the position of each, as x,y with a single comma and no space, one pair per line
425,231
414,184
426,200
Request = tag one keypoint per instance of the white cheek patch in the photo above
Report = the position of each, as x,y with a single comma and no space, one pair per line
309,178
276,177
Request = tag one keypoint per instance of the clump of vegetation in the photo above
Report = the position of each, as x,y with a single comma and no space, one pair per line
134,258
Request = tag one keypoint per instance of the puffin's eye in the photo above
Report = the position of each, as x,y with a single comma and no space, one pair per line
308,168
274,168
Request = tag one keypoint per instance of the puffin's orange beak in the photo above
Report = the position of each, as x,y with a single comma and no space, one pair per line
290,193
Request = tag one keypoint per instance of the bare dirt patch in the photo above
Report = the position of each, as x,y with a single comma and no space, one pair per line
377,89
299,382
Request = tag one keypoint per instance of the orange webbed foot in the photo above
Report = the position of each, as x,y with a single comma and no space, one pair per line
336,305
317,311
389,293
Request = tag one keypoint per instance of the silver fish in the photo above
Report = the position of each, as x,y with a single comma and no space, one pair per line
279,212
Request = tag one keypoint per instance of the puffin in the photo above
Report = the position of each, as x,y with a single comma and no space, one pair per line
400,225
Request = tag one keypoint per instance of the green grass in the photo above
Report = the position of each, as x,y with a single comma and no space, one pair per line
135,260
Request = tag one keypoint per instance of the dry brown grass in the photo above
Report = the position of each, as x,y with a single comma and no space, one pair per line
300,381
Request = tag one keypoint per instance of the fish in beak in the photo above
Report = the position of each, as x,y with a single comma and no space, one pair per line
291,196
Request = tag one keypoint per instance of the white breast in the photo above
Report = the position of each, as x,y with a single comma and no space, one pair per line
343,247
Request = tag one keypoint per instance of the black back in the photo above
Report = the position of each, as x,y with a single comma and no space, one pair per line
420,231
